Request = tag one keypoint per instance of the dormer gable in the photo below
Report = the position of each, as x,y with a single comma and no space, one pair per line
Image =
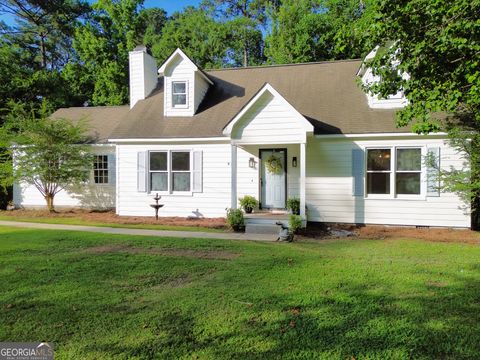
185,85
394,101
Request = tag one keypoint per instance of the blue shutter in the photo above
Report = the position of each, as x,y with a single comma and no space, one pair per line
142,171
358,170
433,171
112,169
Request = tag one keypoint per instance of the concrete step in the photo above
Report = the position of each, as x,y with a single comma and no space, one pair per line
262,229
263,221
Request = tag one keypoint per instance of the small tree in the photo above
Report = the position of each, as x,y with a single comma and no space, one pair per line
49,154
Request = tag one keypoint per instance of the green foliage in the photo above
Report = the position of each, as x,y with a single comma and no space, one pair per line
248,203
438,48
244,19
49,154
202,38
235,219
294,223
293,204
313,30
102,44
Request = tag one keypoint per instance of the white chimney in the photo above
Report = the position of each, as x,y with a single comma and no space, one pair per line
143,74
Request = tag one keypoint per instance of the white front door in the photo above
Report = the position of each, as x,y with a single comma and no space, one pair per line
273,178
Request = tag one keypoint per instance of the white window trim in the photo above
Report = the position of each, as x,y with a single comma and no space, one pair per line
108,172
393,170
173,94
169,174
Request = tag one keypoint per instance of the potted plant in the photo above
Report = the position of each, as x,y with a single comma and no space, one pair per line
248,203
294,224
293,204
235,219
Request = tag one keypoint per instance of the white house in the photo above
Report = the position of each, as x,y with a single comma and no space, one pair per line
203,139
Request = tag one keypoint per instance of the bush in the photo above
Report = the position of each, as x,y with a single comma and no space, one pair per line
235,219
248,203
293,204
295,223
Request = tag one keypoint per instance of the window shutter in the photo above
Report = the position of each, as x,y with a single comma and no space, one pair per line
197,173
358,168
142,171
433,171
112,169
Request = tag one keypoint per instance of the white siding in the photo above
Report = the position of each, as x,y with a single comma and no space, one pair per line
97,196
200,89
179,70
249,178
211,202
329,189
269,121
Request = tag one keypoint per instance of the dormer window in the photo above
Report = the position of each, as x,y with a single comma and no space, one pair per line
179,93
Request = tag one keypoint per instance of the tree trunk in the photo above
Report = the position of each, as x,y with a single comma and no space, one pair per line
49,200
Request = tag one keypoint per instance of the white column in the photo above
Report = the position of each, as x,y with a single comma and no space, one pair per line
233,165
302,179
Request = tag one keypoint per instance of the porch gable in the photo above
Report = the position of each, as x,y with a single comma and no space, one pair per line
268,118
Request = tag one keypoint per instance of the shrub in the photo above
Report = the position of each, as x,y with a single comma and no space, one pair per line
248,203
295,223
235,219
293,204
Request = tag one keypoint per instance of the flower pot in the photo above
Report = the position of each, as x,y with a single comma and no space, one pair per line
248,210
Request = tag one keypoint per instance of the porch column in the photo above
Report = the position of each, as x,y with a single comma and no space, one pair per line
302,179
233,165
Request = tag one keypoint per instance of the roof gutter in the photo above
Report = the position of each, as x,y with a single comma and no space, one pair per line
169,140
381,135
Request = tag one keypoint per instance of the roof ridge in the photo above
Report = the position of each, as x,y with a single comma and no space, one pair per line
93,107
284,65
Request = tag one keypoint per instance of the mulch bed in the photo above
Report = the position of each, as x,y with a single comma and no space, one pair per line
109,217
314,230
378,232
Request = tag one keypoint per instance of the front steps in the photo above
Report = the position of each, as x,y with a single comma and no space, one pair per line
265,223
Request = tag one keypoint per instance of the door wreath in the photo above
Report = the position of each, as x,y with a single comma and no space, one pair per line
273,164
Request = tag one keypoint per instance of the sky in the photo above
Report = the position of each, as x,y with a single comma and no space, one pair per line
169,5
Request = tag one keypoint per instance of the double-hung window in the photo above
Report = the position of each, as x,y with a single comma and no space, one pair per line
159,171
394,171
170,171
179,93
100,169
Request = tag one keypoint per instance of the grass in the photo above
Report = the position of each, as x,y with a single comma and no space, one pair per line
76,221
98,296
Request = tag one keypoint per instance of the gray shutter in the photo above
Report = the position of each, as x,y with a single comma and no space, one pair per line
433,171
112,169
358,169
197,172
142,171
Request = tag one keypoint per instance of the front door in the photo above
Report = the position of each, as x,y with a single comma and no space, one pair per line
273,178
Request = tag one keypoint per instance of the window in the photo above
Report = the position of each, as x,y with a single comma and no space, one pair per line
409,171
170,171
159,171
100,169
378,171
181,171
179,93
397,171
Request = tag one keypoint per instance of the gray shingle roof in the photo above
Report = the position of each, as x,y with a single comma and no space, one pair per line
325,93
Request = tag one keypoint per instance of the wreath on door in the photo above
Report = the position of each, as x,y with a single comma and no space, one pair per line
273,164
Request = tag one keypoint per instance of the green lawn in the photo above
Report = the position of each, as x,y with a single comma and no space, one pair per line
99,296
77,221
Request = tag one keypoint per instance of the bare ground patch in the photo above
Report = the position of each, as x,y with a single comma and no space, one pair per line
189,253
